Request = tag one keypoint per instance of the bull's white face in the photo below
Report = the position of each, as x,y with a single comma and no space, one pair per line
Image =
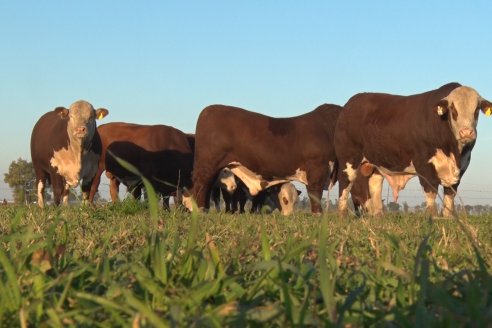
76,161
462,106
82,121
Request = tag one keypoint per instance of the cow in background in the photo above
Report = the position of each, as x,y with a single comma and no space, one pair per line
264,151
429,135
65,149
161,153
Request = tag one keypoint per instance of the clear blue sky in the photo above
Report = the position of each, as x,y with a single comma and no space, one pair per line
164,61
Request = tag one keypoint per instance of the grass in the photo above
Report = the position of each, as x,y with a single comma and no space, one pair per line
123,265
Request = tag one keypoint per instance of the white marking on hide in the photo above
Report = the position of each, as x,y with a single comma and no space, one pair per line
187,201
410,169
351,173
253,181
40,194
375,190
67,162
446,168
343,200
300,176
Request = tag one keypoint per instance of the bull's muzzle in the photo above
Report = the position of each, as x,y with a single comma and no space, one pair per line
80,131
467,135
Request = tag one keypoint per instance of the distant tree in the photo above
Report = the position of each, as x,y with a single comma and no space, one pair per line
20,178
405,207
303,202
479,209
393,207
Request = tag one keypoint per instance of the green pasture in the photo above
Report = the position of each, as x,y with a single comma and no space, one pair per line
130,264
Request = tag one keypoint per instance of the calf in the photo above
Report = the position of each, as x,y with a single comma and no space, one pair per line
65,149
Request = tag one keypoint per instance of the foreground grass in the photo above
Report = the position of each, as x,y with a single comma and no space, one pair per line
119,266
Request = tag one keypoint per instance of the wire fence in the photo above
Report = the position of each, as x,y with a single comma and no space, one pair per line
412,195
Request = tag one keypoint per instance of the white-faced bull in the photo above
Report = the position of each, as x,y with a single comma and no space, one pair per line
65,149
429,135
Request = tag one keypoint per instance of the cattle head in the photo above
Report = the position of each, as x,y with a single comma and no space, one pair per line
227,180
461,108
288,196
81,120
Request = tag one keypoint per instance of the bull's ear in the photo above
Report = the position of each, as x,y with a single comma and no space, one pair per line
101,113
486,107
441,107
62,112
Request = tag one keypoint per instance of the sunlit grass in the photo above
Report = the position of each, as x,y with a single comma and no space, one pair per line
121,265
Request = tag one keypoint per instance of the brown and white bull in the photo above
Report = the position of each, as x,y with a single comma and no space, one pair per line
65,149
264,151
429,135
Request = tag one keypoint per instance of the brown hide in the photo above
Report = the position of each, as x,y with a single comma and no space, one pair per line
65,148
395,132
270,147
161,153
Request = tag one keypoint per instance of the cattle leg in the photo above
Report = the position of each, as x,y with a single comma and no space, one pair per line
314,193
41,186
241,198
65,194
86,189
215,195
228,201
448,203
95,185
114,188
430,203
374,205
58,187
202,185
430,183
346,178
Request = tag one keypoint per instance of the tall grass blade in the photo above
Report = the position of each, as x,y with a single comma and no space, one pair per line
151,194
326,280
144,310
12,294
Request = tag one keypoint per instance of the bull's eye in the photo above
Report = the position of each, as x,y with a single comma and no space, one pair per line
454,112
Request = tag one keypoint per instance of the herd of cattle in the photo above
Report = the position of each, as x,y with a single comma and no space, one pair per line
245,155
